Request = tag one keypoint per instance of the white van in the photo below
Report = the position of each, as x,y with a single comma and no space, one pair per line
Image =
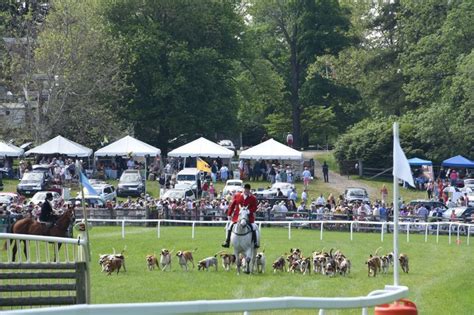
189,177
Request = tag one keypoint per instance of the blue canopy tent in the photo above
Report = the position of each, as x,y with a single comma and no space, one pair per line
458,161
418,162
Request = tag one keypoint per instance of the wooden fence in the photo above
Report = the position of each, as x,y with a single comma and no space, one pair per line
48,275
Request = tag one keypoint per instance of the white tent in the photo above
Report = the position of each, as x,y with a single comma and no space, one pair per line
271,150
128,145
61,145
7,149
202,147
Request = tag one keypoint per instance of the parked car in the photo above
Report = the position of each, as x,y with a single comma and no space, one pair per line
179,193
32,182
354,194
40,196
227,144
104,190
285,188
233,185
131,183
469,183
463,214
8,198
91,201
429,204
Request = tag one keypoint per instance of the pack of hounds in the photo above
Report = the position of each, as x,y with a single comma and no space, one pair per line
320,262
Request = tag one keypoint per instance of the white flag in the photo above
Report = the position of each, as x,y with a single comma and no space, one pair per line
401,167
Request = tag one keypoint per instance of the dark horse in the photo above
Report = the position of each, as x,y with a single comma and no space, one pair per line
33,227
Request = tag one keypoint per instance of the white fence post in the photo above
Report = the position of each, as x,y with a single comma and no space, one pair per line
408,233
158,227
289,230
123,228
450,225
192,233
457,238
322,228
382,231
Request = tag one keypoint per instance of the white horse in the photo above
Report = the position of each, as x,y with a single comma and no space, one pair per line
241,240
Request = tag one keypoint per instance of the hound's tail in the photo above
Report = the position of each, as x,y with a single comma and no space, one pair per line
123,250
377,250
219,252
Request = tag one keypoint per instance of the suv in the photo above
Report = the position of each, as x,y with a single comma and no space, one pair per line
104,190
32,182
353,194
227,144
131,183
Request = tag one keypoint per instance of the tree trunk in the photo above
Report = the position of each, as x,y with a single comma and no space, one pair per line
294,97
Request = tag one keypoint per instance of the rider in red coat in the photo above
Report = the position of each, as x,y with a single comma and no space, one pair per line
245,199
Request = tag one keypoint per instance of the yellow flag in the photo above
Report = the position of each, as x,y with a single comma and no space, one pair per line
202,165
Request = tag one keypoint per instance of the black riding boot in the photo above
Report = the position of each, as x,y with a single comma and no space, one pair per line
226,244
254,239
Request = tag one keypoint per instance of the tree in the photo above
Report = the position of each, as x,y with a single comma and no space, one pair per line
291,35
179,60
79,75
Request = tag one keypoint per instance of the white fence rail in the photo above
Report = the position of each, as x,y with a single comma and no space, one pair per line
414,227
38,248
387,295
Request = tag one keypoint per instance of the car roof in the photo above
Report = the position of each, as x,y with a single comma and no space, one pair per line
188,171
234,181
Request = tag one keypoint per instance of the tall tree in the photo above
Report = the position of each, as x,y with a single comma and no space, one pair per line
292,35
179,59
78,74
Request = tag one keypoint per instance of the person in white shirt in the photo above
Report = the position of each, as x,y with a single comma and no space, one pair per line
304,196
321,201
130,164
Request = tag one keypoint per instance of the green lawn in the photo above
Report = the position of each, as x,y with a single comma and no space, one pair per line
439,280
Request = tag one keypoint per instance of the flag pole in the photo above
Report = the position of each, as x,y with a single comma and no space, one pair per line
396,194
86,240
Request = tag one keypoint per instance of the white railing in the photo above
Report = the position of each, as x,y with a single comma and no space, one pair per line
387,295
38,248
408,226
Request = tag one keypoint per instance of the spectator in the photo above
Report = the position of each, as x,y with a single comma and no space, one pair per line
289,140
384,193
306,177
304,196
326,172
423,213
320,201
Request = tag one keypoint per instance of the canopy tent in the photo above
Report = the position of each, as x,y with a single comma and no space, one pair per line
458,161
202,147
271,150
418,162
7,149
128,146
61,145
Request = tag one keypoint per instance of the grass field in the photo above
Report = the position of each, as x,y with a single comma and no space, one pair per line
440,279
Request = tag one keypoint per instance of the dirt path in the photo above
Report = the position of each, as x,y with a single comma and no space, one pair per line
337,182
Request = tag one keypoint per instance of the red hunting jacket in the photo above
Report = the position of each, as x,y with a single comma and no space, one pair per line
250,202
